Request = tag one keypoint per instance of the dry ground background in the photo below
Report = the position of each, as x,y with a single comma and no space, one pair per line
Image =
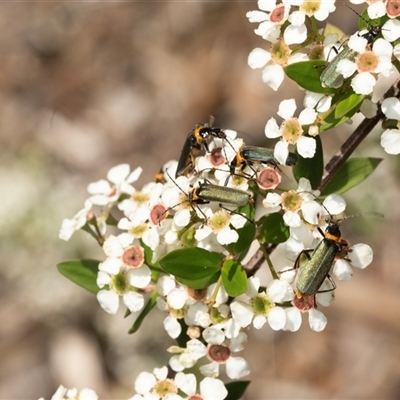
87,85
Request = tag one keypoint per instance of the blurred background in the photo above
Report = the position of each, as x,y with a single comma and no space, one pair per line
86,86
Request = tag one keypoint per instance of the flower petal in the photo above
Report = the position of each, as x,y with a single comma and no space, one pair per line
293,319
134,301
213,389
172,326
109,301
317,320
342,270
277,318
273,76
237,367
306,146
258,58
361,255
242,313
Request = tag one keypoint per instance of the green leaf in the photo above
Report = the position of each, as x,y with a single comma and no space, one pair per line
248,210
148,255
365,22
352,173
273,229
146,310
311,168
330,122
236,389
307,75
344,105
200,283
191,263
349,105
81,272
234,278
246,237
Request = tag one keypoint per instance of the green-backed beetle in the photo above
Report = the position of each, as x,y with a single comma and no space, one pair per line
330,77
207,192
195,141
248,155
315,270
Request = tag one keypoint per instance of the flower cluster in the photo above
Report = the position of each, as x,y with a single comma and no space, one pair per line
182,238
62,393
171,216
362,63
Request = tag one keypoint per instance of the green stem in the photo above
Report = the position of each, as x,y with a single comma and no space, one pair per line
268,260
215,292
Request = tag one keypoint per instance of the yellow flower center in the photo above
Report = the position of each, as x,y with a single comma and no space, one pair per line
291,130
280,53
291,201
310,7
367,62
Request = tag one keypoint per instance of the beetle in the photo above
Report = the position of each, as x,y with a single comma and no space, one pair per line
195,141
316,269
248,155
330,77
206,192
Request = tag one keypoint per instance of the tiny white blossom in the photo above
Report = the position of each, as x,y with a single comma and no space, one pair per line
260,306
120,176
291,131
69,226
63,393
390,139
220,353
187,357
210,388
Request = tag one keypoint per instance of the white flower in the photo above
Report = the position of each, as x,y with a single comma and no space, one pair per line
319,9
366,63
261,307
123,271
295,201
390,139
210,388
296,32
291,131
220,353
271,20
63,393
273,73
122,250
188,356
359,255
120,176
119,286
219,224
318,101
69,226
156,385
139,204
316,319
